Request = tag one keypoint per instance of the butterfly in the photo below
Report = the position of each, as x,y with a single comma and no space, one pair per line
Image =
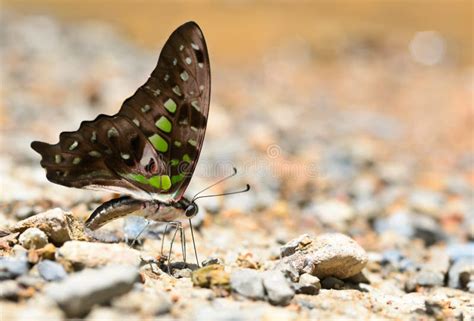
149,149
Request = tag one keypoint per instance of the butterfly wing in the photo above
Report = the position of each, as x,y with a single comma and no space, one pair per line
151,146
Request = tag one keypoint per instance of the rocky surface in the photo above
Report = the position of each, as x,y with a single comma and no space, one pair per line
77,294
86,254
355,212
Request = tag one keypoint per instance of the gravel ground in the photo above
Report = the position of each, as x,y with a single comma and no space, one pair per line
354,213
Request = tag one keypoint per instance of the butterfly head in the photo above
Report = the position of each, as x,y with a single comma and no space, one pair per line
190,208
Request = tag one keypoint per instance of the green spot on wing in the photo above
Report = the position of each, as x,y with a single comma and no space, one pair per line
164,124
186,158
155,181
165,182
170,105
174,162
160,181
159,143
177,178
138,178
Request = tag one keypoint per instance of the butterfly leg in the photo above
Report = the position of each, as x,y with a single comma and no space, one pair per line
183,244
179,227
139,234
194,243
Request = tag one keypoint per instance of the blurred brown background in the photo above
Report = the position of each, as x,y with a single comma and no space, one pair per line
280,69
242,31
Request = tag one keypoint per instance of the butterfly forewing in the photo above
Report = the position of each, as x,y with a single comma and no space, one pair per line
152,145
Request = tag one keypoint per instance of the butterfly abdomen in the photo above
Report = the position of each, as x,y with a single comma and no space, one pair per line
112,210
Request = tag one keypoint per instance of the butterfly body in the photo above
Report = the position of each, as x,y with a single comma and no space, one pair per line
148,150
151,210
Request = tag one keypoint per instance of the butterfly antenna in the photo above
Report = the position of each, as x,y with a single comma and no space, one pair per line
226,193
219,181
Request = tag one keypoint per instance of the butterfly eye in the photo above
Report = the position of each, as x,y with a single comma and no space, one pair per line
191,210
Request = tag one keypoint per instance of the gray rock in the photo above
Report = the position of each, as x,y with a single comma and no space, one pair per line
19,251
425,278
330,254
298,243
51,271
87,254
411,226
332,283
289,270
248,283
33,238
58,225
461,273
79,292
308,284
11,267
278,290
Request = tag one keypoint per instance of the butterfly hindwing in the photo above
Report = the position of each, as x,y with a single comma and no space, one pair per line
151,146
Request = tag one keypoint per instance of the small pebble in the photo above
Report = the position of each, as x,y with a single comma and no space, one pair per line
51,271
277,288
33,238
308,284
11,267
248,282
